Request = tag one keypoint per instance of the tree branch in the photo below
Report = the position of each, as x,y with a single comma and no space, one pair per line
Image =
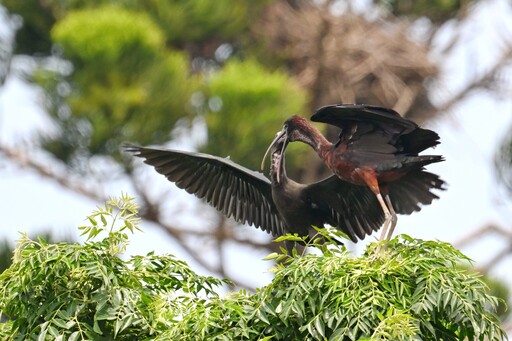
481,82
26,161
484,230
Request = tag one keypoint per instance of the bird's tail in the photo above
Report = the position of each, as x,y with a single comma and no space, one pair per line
419,140
408,164
414,190
418,162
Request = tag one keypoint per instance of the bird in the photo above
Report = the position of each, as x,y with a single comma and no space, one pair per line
277,207
378,149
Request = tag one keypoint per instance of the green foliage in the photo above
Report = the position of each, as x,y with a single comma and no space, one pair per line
499,288
126,85
242,92
182,21
108,34
5,254
7,249
127,80
75,292
414,290
187,21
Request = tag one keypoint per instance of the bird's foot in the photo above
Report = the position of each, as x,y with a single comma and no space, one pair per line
382,239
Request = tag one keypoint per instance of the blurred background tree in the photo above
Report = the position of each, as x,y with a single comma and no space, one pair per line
221,77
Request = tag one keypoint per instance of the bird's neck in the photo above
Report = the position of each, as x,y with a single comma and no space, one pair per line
316,140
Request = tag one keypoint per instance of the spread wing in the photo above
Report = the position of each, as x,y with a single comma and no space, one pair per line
230,188
342,115
350,208
370,127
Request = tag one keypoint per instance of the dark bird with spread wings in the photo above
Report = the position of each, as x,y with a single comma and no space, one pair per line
277,207
376,149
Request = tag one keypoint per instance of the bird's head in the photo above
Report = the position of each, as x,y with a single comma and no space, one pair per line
295,128
299,129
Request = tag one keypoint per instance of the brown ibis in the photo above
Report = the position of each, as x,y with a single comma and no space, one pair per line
378,149
277,207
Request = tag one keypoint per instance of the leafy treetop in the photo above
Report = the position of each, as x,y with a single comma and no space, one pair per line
413,291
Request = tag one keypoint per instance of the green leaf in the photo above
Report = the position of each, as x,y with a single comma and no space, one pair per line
289,237
262,316
60,323
272,256
120,325
320,327
103,220
267,338
44,330
96,327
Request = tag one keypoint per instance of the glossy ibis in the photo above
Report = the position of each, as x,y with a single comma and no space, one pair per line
275,207
377,149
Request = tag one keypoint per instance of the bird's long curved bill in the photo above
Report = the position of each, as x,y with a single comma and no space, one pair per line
279,135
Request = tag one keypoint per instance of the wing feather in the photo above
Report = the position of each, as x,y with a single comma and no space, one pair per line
232,189
350,208
342,114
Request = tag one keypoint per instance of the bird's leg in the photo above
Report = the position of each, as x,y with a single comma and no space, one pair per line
393,217
387,214
369,176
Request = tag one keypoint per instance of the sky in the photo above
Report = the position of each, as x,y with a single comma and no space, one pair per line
470,134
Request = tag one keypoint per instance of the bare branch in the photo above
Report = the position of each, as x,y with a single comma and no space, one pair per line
481,82
63,179
484,230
